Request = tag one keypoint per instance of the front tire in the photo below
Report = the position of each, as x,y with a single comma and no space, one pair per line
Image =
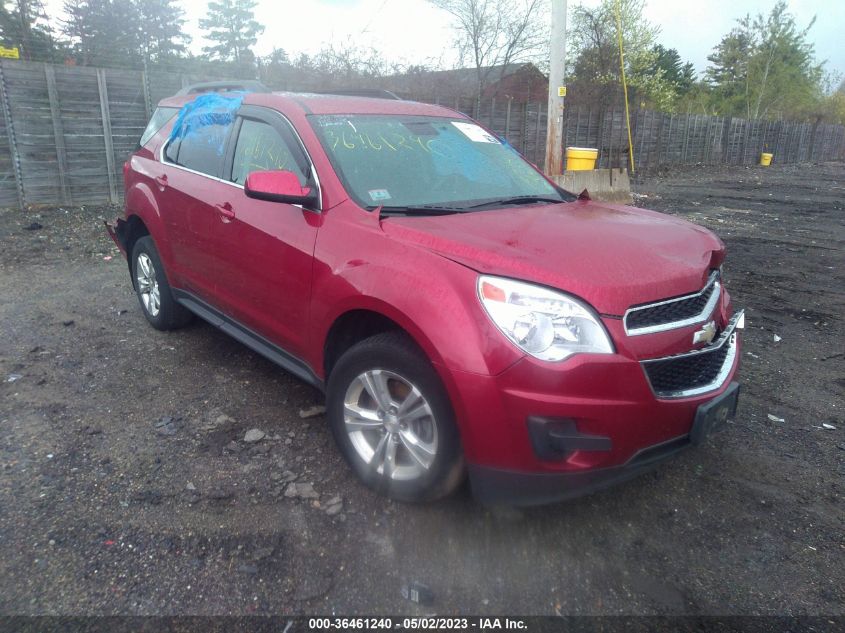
393,421
153,291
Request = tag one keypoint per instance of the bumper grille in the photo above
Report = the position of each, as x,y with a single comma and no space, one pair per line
695,372
674,313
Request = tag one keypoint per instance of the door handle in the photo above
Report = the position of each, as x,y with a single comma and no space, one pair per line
227,214
161,181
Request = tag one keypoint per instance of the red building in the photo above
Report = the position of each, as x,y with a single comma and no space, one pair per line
520,82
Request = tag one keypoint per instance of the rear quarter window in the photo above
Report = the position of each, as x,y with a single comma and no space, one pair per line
159,119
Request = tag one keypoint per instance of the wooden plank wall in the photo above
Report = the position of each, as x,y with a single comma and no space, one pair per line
65,122
65,132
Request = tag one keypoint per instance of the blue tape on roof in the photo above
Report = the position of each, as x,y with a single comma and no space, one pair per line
207,109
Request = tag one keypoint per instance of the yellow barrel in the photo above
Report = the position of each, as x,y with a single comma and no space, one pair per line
581,158
766,159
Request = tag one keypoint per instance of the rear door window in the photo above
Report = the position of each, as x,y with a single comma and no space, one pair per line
261,148
159,119
203,149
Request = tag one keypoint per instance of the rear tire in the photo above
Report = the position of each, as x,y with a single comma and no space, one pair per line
154,294
393,421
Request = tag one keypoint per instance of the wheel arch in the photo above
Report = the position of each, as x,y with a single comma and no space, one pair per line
356,323
143,213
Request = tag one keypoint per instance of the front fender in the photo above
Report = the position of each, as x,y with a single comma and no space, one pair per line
430,297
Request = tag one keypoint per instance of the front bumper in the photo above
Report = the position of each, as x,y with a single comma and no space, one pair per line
602,406
496,486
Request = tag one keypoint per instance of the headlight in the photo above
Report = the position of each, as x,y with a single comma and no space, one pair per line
548,325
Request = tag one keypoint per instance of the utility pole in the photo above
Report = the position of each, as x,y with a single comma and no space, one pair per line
557,91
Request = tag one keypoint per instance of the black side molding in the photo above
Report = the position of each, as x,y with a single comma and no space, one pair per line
252,340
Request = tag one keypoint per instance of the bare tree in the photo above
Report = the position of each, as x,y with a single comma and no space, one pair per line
494,33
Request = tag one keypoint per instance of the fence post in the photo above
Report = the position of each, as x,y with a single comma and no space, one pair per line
10,132
686,142
577,129
508,120
600,134
790,141
811,141
107,136
668,152
841,143
58,132
564,137
659,142
148,100
523,128
725,141
799,152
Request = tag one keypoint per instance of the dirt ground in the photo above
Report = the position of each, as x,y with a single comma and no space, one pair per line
126,486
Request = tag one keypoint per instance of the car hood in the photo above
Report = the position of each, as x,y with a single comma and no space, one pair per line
612,256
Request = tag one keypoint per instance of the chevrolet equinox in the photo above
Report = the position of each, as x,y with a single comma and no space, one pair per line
462,313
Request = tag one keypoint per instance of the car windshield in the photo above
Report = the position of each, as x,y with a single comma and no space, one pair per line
414,161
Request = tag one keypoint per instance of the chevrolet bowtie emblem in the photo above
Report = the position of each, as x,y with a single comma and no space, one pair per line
705,334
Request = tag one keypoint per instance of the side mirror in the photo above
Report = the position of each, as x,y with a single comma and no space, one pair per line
279,186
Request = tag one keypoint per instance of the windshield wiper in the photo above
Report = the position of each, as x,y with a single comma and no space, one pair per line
419,209
516,200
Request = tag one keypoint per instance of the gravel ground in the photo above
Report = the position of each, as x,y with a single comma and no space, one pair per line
127,485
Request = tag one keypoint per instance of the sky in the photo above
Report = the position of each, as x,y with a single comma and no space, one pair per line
413,31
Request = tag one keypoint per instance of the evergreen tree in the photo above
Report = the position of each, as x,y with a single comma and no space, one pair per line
680,74
162,29
104,32
231,25
275,69
24,24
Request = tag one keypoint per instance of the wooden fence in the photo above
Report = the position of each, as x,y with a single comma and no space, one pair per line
66,131
658,138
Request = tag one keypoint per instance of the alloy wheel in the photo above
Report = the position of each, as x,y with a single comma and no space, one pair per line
390,424
148,289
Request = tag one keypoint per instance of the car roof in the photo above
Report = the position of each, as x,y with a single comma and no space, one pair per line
311,103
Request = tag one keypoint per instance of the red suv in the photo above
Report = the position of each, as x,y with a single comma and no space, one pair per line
462,313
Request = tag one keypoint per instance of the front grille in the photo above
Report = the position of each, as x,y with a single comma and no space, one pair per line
686,373
674,313
695,372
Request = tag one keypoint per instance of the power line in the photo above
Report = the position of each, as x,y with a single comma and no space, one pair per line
373,16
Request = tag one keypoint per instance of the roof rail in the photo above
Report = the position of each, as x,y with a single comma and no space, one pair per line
248,85
374,93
